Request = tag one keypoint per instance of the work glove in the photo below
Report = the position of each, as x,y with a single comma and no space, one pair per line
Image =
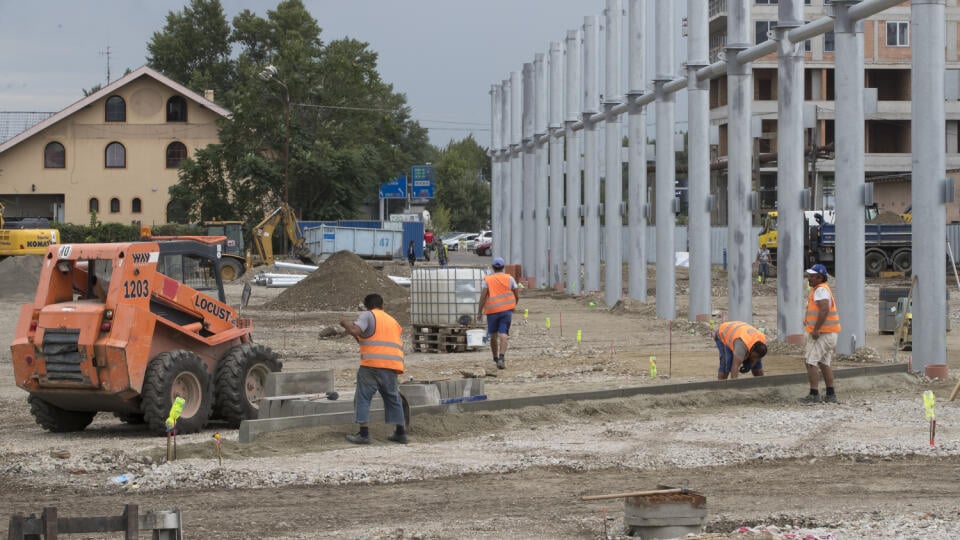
745,368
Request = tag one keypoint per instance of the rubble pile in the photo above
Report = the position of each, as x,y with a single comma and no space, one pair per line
19,276
339,284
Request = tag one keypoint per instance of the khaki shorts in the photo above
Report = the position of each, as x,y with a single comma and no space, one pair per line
820,350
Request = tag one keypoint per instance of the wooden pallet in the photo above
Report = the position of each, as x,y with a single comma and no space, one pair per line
440,339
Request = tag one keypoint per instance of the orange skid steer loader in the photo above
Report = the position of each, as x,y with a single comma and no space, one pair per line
129,327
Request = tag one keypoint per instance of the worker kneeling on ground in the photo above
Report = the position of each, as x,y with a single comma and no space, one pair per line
742,348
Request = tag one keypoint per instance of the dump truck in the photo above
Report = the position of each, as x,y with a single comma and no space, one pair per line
29,236
129,327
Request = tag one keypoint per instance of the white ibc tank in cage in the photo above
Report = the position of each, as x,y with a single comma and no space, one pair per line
441,296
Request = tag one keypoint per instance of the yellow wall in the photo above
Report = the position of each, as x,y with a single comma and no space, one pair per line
85,136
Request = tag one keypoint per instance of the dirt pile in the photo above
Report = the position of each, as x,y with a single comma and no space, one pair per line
340,284
19,276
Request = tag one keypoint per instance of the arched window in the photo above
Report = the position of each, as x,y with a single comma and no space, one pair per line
116,156
94,204
136,206
114,205
54,156
176,152
116,110
176,109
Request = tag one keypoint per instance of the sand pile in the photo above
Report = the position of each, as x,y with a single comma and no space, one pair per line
339,284
19,276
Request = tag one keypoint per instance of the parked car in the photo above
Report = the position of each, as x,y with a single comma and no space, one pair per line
453,242
484,248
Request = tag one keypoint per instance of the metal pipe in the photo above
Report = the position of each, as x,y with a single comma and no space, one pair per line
613,183
637,154
591,166
739,159
698,162
849,174
555,253
572,140
295,266
928,139
666,162
790,171
541,180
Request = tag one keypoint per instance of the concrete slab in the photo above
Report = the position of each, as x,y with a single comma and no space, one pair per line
308,382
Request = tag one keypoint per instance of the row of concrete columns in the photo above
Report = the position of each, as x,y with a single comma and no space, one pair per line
538,214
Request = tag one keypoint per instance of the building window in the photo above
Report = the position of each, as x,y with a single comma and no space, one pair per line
116,109
136,206
762,27
898,34
116,156
828,43
114,205
54,156
176,153
176,109
94,204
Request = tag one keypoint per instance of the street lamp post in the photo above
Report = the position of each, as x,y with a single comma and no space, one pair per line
269,73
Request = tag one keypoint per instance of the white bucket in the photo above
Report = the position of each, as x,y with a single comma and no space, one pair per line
475,337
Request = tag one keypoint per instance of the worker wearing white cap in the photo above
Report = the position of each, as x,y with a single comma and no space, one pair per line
497,301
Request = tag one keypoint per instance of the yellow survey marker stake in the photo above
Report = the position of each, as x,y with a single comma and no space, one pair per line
548,323
526,313
653,366
579,336
175,411
928,404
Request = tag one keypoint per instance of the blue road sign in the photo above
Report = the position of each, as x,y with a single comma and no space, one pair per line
423,181
395,188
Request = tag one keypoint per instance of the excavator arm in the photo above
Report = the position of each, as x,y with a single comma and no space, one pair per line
263,235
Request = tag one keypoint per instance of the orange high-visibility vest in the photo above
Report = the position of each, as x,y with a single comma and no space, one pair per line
384,349
832,323
499,294
731,331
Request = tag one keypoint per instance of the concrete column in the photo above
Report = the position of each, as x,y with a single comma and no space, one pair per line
555,254
791,227
666,161
591,163
501,244
849,184
529,172
573,139
740,243
637,154
516,169
495,162
613,183
698,161
540,242
927,189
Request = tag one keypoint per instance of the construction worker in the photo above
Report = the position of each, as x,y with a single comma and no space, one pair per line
821,328
742,348
381,360
497,299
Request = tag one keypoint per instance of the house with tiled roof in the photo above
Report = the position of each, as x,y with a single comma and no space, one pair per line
115,152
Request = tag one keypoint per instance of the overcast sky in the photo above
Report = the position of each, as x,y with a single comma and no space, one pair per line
443,54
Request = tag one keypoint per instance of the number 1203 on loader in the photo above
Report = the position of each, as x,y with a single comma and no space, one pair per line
129,327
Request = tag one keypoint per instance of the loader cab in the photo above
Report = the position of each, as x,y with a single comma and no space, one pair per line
193,263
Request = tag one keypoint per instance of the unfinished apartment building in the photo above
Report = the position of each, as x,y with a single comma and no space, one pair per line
887,54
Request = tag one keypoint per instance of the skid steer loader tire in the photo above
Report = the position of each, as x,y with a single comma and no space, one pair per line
177,374
240,381
57,420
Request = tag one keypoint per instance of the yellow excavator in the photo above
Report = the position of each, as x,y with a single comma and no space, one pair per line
263,237
25,238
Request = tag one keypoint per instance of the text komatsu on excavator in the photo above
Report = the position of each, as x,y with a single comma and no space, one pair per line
129,327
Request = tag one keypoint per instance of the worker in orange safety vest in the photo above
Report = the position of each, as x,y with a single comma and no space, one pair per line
497,300
742,348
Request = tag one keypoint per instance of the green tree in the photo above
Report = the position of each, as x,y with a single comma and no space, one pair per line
319,127
194,48
462,171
